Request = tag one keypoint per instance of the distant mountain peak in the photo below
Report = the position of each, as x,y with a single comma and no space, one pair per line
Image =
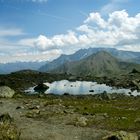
101,63
84,53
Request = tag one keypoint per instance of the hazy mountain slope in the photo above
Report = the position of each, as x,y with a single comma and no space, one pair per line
101,63
11,67
135,60
83,53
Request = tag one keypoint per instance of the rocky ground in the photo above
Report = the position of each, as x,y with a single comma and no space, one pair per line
66,117
72,117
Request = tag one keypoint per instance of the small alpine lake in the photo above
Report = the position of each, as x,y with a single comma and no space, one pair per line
81,88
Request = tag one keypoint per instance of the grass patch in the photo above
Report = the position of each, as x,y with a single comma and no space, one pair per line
8,130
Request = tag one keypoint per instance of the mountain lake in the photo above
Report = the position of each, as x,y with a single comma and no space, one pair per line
81,88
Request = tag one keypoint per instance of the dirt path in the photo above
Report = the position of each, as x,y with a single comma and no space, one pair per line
51,128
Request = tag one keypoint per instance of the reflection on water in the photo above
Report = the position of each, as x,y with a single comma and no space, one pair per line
82,87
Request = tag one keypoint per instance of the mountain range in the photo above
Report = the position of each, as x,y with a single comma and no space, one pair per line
102,63
6,68
127,56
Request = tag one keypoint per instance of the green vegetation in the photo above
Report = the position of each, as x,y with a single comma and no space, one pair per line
118,114
8,130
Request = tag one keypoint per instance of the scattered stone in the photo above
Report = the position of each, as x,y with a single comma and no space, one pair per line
36,111
33,114
100,116
20,107
6,92
81,121
30,115
34,107
122,135
124,118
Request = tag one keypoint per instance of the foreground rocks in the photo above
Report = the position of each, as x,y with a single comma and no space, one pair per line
54,117
6,92
122,135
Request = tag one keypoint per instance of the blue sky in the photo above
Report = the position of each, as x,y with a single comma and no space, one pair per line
33,30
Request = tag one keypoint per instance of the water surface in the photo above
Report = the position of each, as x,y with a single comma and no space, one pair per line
82,88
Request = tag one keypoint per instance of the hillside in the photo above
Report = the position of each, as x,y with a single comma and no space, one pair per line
22,80
101,63
82,53
135,60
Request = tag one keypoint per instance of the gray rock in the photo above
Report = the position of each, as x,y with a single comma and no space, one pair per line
6,92
100,116
136,83
122,135
81,121
41,88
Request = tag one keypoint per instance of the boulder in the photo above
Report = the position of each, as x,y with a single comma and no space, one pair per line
81,121
121,135
41,88
6,92
136,83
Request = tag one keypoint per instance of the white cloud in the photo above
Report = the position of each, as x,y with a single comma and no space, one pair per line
134,48
112,6
57,41
96,18
4,32
41,1
25,57
119,30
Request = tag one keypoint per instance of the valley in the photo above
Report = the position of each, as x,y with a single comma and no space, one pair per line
69,70
99,116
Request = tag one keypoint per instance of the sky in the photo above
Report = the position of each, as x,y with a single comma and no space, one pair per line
42,30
